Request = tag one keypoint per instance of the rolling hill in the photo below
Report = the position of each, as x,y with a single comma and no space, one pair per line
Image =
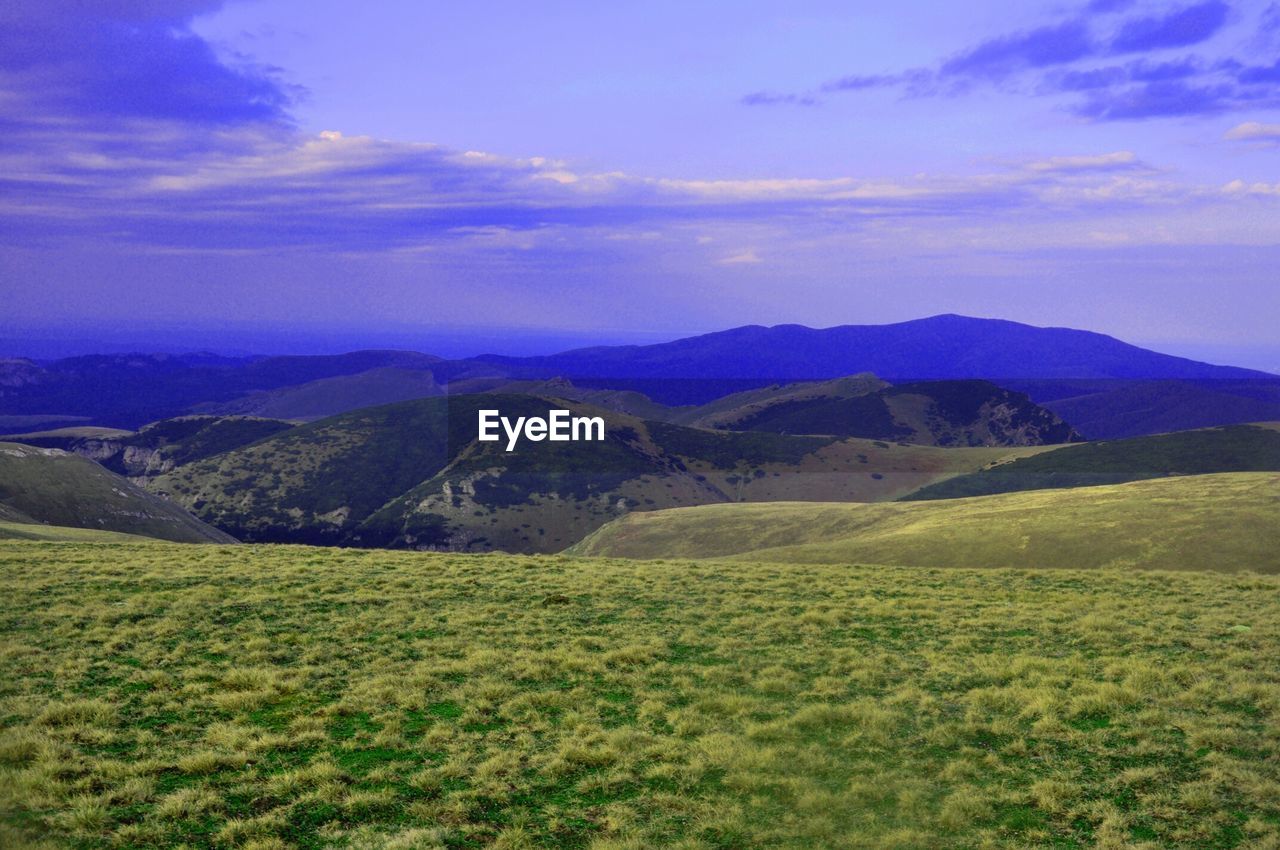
412,475
330,396
160,446
1111,409
1233,448
129,390
51,487
1225,521
939,413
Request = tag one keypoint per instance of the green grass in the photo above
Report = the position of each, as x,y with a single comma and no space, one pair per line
268,697
1208,522
58,533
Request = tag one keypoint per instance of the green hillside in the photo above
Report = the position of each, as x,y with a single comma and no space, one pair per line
1233,448
1228,521
52,487
412,475
62,534
160,446
159,696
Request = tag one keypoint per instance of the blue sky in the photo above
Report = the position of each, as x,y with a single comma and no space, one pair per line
656,169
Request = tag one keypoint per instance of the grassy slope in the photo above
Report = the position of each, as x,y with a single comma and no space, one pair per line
63,534
1229,521
157,696
1234,448
52,487
58,437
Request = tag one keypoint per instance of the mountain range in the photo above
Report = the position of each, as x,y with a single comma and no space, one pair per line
940,347
1100,385
378,448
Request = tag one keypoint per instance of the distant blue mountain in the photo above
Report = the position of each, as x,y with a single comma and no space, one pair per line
940,347
128,390
1103,386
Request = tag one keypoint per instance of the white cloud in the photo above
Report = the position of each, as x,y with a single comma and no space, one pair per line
1099,162
1253,131
746,258
1239,187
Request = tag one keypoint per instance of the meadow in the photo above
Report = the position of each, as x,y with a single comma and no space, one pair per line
1228,521
162,695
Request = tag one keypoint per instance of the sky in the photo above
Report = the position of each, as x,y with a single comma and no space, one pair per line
259,174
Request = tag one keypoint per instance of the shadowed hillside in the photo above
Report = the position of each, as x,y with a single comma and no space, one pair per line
941,413
1109,410
1235,448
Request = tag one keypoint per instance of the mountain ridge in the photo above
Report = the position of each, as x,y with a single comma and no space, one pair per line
1052,365
945,346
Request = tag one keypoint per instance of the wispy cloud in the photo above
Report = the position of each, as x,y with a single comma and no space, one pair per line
1179,28
1117,161
1057,44
745,258
766,98
1078,57
192,154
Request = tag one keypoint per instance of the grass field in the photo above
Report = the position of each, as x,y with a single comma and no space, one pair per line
160,695
1227,522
